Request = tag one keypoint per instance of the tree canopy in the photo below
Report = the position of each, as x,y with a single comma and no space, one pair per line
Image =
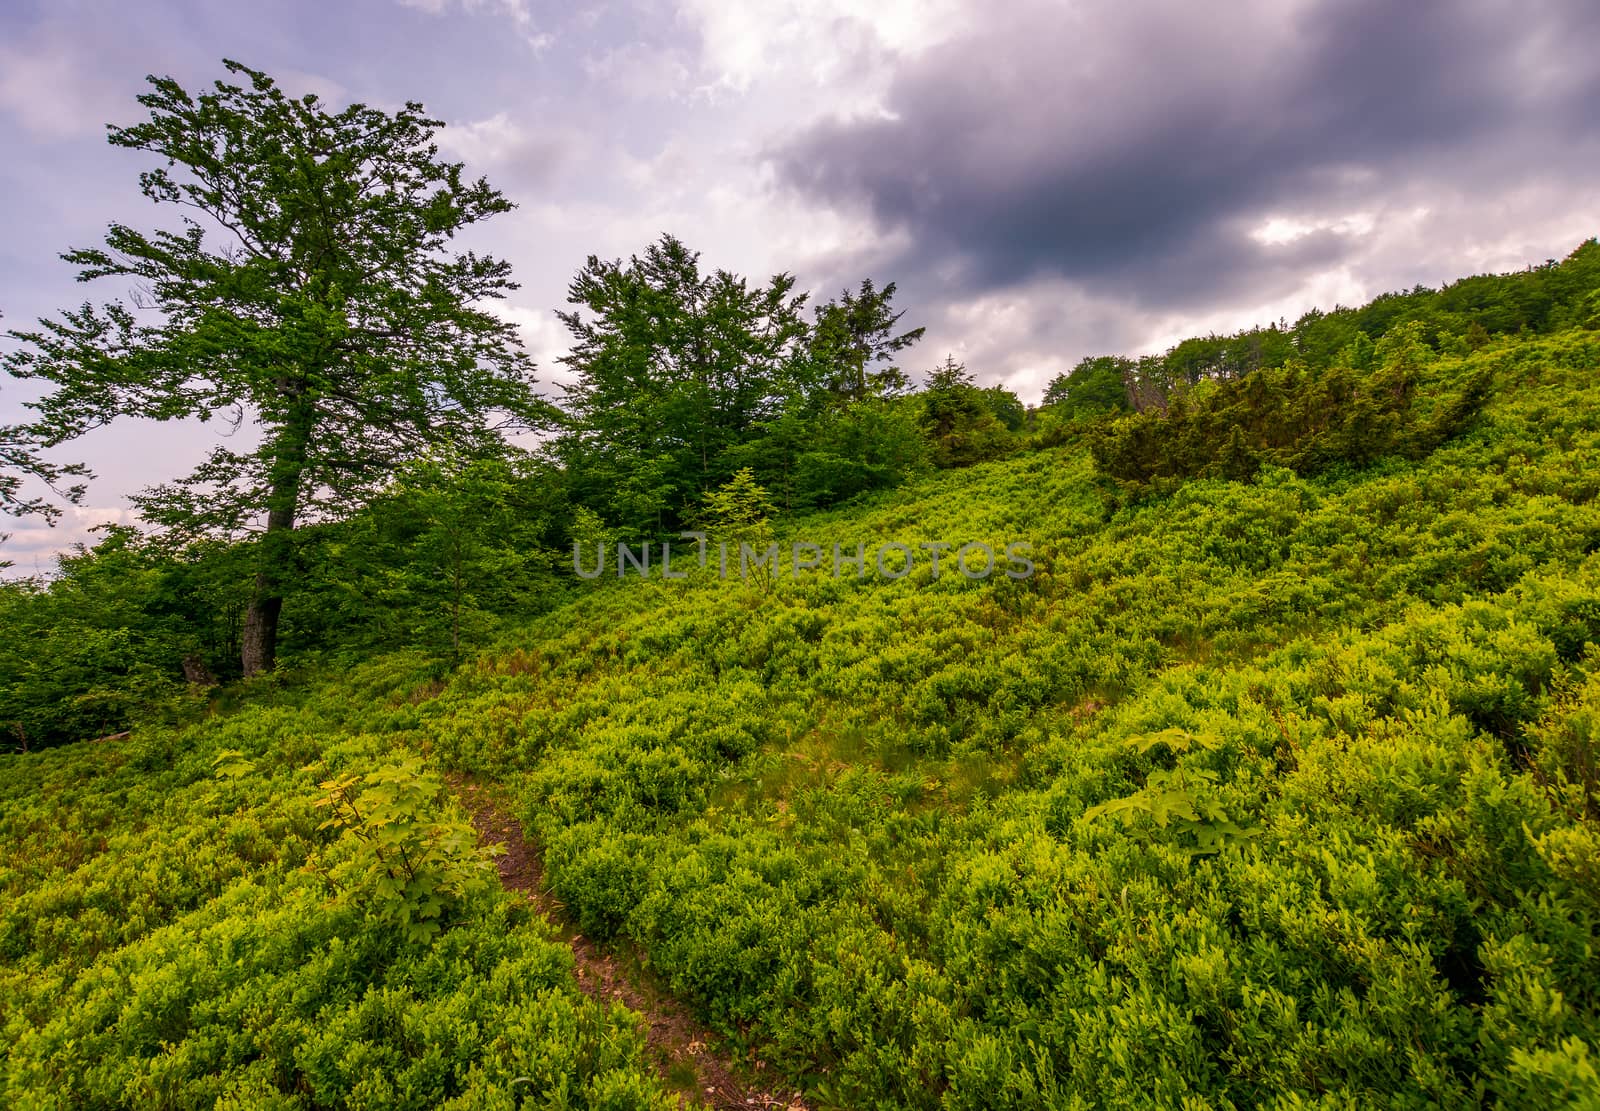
325,308
853,334
674,365
686,375
20,460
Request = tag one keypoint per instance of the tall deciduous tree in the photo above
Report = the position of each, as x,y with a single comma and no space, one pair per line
1095,385
675,366
332,313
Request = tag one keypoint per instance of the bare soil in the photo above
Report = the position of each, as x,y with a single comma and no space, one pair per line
684,1052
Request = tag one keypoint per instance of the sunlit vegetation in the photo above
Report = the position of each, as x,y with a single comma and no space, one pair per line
1274,791
1279,789
1274,785
181,929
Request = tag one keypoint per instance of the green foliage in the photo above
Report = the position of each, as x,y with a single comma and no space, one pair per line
163,942
959,419
1174,800
410,863
104,642
685,378
739,511
451,551
1094,387
1278,793
839,453
1566,746
1007,407
1262,794
1226,357
1294,417
19,461
851,334
675,367
335,313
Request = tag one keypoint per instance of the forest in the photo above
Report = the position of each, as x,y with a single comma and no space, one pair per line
1274,783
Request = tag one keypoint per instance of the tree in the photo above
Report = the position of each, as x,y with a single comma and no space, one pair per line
675,367
19,458
1059,388
739,511
1094,386
94,645
452,547
850,335
957,419
870,445
1146,383
1006,406
949,376
332,314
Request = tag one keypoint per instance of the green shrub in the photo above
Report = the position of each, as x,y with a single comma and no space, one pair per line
165,941
411,859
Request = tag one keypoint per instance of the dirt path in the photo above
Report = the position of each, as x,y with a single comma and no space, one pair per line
683,1051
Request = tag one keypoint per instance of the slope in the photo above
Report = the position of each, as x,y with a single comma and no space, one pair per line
1259,793
1277,792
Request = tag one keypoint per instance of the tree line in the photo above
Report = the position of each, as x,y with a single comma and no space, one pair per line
315,292
1458,318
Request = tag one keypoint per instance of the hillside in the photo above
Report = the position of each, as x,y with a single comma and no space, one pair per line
1279,792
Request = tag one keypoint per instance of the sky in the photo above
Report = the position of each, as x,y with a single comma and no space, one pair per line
1044,181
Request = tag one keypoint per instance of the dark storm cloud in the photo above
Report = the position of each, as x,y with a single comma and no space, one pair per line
1136,151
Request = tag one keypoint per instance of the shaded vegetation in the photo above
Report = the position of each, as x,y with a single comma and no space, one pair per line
1292,417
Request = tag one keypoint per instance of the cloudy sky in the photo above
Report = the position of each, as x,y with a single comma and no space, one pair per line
1044,180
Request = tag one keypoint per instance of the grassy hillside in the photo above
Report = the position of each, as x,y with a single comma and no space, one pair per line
178,932
1278,793
856,820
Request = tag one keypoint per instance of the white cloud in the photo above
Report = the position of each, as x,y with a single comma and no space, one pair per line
840,50
641,71
1277,231
32,545
1024,337
525,161
542,335
487,140
517,11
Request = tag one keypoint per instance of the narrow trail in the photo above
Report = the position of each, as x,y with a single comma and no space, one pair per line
680,1048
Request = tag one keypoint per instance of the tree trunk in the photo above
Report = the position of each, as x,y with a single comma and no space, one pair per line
196,673
259,643
455,602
